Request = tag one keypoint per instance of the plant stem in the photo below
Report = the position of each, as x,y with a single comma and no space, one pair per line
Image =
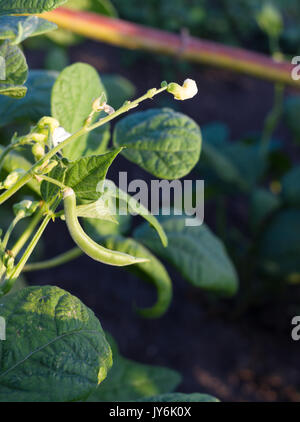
30,173
54,262
9,282
133,36
51,180
27,233
126,107
28,176
272,118
9,230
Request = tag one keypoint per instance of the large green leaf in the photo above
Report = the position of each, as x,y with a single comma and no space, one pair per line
182,398
18,28
55,348
152,272
262,204
73,93
279,247
215,133
16,70
118,89
196,253
291,187
165,143
28,6
36,103
129,380
85,174
229,165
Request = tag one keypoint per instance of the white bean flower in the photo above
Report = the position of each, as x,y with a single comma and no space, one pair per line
59,135
188,90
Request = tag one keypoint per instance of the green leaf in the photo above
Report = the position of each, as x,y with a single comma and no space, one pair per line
263,203
48,189
57,58
279,248
195,252
291,115
16,91
231,165
18,28
15,161
73,93
215,133
16,70
182,398
130,381
152,272
35,105
290,187
55,349
165,143
84,175
118,90
28,6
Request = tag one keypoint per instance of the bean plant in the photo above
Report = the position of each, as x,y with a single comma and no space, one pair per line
54,347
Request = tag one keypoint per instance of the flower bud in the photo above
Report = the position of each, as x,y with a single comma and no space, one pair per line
108,109
25,208
152,92
38,151
48,121
8,262
38,137
49,167
12,178
187,90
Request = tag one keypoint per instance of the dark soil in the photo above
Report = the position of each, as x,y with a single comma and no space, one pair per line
251,357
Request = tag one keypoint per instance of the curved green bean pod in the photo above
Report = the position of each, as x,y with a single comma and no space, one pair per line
86,244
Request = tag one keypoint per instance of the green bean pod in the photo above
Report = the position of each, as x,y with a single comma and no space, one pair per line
88,245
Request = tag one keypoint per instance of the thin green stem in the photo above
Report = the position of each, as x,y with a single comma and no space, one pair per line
273,118
28,176
51,180
27,233
9,282
10,230
54,262
31,173
274,46
126,107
